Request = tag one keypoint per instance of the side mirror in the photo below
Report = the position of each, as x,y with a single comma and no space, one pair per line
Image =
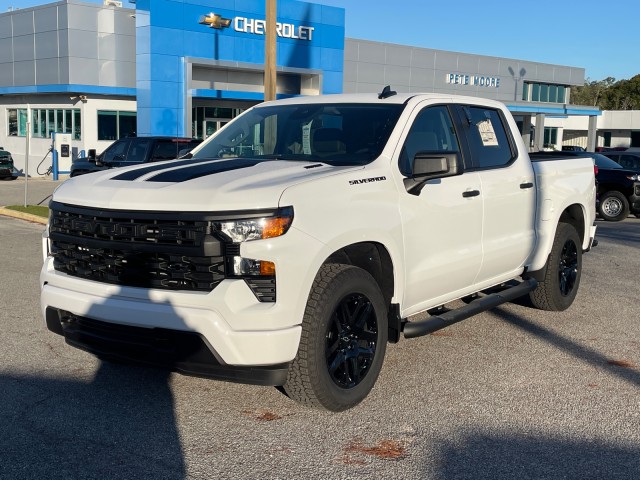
436,165
432,165
91,154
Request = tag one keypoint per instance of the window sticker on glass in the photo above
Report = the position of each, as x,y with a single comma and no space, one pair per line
306,138
487,133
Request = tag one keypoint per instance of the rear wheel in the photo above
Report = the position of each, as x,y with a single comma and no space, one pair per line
564,267
344,337
614,206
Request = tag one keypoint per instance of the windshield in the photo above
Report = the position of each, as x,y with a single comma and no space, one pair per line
336,134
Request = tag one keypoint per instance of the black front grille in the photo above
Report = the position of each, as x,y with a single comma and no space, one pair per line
146,249
118,227
138,269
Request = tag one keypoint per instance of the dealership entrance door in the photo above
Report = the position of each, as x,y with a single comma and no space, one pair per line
212,125
208,119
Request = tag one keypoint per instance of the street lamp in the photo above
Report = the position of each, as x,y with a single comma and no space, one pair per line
518,77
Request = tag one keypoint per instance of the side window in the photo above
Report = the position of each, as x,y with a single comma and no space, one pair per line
138,150
488,139
432,131
629,161
166,150
117,151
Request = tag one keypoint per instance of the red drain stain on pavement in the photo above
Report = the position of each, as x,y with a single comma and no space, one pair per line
385,449
622,363
262,415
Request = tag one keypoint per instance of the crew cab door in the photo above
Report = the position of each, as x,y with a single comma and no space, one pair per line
507,192
442,220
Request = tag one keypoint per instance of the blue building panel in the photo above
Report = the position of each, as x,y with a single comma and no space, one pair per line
332,82
167,41
311,36
332,59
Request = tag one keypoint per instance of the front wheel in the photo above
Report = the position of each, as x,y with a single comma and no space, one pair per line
344,337
564,267
614,206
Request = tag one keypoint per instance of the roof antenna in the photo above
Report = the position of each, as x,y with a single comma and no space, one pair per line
386,92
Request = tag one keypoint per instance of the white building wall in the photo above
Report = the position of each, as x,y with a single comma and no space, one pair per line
38,147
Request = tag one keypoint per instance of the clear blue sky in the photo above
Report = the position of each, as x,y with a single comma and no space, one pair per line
600,36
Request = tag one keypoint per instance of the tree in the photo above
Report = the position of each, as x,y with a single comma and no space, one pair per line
608,94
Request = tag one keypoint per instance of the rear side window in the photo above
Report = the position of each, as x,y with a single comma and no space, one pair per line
488,139
630,161
167,150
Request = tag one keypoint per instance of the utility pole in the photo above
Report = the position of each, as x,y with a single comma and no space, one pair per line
270,53
26,164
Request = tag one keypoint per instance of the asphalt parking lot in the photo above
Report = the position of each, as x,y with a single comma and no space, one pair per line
514,393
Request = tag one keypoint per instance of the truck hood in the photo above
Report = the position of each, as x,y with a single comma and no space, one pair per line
193,185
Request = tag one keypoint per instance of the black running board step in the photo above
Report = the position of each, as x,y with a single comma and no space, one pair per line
433,324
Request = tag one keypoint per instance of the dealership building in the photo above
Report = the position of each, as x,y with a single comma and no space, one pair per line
186,67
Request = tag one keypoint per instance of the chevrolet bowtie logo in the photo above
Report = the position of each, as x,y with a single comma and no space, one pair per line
215,21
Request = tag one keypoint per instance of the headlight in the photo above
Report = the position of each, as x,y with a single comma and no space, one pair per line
245,230
634,178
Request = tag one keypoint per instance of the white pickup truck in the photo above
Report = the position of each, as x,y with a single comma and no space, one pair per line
294,244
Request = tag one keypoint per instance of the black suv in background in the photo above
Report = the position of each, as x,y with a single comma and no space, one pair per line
618,188
133,151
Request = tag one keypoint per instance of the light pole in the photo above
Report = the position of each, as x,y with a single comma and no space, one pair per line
517,78
270,52
26,163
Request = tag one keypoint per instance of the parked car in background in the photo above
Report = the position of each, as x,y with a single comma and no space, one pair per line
627,159
132,151
6,165
572,148
618,188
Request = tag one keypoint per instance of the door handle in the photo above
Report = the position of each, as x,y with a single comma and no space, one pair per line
471,193
526,185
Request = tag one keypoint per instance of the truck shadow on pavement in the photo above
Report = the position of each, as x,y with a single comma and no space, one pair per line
494,457
120,425
588,355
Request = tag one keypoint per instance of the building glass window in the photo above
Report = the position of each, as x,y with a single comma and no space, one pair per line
550,136
77,125
17,122
113,124
535,92
44,122
544,92
561,93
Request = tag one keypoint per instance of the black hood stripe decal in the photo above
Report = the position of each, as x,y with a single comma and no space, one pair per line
204,169
134,174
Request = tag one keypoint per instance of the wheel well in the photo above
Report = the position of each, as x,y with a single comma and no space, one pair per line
372,257
574,215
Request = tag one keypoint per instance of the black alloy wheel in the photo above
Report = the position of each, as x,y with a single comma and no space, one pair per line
343,340
568,267
351,340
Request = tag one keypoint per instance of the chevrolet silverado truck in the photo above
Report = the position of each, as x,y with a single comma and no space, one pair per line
304,236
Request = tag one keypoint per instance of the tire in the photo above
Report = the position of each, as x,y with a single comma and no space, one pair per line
613,207
344,338
564,269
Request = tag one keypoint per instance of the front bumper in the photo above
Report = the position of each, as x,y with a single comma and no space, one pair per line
184,352
237,328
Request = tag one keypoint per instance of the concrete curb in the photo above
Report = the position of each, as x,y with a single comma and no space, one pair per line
23,216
